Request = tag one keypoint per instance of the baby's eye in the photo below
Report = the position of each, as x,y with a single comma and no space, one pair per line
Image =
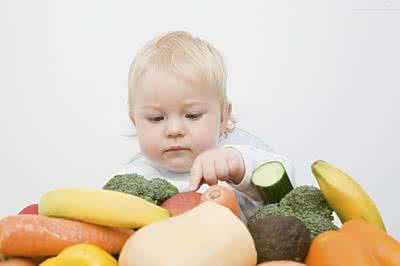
193,116
155,118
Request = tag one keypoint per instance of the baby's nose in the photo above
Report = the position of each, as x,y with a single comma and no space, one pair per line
175,127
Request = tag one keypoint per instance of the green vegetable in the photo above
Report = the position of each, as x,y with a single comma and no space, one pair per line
307,200
305,203
272,181
155,190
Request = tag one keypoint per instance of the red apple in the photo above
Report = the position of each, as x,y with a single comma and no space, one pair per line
30,209
182,202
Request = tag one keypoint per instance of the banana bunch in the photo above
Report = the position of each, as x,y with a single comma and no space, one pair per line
345,195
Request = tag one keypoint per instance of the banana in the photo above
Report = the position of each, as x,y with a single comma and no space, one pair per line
345,195
102,207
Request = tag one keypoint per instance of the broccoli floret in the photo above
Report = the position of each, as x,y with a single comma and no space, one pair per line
267,210
155,190
317,224
164,190
307,200
305,203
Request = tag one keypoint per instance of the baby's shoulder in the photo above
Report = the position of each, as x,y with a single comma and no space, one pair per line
240,136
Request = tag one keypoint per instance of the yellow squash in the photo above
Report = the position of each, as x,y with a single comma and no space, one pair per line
82,255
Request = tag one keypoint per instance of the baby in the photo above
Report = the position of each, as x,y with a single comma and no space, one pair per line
179,107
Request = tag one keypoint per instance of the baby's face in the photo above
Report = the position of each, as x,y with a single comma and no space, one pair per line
175,120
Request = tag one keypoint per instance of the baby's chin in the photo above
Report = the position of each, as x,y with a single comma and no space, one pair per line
177,168
177,161
178,165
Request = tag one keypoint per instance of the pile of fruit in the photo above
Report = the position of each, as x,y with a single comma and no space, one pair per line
136,222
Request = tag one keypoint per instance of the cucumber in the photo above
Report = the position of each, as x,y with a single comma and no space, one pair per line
272,181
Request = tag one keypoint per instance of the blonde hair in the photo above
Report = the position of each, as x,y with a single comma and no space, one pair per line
191,59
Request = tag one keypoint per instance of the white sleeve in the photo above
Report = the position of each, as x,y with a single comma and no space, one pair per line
254,158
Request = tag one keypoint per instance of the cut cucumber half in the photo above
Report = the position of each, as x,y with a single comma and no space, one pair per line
272,181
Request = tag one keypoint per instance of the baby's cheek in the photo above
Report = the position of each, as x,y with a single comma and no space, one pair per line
150,146
205,140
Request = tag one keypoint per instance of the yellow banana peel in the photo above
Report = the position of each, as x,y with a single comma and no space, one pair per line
348,199
102,207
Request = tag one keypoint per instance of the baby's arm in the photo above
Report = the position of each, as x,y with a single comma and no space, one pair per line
253,158
235,165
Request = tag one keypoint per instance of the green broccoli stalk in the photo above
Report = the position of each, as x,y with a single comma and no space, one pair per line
155,190
305,203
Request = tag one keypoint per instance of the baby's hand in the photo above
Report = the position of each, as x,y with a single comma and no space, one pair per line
217,164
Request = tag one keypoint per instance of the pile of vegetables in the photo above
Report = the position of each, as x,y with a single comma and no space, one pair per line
136,221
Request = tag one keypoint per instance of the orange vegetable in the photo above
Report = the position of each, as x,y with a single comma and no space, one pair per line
385,249
356,243
222,195
182,202
333,248
17,262
281,263
36,235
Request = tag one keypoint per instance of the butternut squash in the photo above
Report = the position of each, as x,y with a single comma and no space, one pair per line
207,235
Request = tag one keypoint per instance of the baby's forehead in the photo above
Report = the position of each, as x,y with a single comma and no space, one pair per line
191,77
171,81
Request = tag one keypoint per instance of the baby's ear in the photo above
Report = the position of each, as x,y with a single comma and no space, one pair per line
226,112
132,117
225,115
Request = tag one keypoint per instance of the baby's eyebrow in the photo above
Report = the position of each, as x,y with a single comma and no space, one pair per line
193,103
185,104
151,106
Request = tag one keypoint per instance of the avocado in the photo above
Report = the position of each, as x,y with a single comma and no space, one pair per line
280,238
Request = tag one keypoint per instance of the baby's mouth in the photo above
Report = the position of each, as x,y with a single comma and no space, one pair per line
176,149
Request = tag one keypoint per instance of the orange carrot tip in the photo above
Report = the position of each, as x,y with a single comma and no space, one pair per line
222,195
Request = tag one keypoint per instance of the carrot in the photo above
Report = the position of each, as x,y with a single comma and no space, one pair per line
182,202
223,196
36,235
17,262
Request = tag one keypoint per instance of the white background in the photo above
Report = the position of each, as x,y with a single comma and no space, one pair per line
314,79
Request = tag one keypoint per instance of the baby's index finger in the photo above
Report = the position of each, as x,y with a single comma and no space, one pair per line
195,177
